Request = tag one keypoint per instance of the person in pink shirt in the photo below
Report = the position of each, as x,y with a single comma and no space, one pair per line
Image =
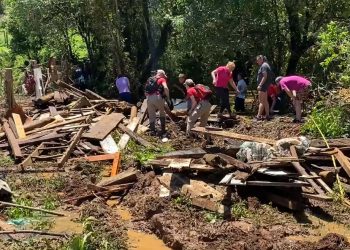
222,76
297,88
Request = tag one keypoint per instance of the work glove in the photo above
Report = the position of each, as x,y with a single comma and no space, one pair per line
170,103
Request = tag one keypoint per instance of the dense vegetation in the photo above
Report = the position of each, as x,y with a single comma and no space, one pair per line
306,37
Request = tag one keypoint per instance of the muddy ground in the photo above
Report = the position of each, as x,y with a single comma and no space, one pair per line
140,219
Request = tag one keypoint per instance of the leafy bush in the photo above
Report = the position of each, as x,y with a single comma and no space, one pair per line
332,121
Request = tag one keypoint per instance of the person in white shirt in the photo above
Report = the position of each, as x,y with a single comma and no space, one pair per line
240,97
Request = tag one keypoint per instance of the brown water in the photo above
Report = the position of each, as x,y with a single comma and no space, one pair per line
138,240
321,228
67,224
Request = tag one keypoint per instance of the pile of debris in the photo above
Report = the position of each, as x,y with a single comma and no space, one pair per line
287,172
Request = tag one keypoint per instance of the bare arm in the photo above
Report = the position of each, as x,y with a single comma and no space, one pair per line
213,75
166,90
233,85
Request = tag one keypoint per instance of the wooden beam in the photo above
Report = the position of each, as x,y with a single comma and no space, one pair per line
104,127
135,136
19,126
127,176
236,163
13,142
191,153
133,112
70,87
116,164
232,135
104,157
344,161
70,148
303,172
10,98
268,183
92,95
143,111
125,137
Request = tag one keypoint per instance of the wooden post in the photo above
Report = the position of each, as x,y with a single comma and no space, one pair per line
10,99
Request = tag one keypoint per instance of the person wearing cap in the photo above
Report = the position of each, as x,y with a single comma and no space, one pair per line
297,88
200,107
155,101
222,76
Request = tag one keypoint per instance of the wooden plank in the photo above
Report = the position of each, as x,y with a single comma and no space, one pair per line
28,161
116,164
127,176
39,83
234,162
38,123
61,124
104,157
13,142
19,126
53,111
322,183
104,127
70,148
70,87
125,137
109,145
343,161
333,143
192,153
232,135
92,95
284,201
296,183
318,197
13,127
180,163
135,136
133,112
303,172
143,111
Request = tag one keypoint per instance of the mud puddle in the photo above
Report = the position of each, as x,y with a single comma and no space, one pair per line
67,224
321,228
138,240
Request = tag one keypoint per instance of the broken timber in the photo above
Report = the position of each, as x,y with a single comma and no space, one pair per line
125,137
13,142
192,153
136,137
232,135
104,127
70,148
123,177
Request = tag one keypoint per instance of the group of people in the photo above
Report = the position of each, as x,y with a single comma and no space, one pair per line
198,95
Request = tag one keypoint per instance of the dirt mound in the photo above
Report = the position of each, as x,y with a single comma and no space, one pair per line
332,242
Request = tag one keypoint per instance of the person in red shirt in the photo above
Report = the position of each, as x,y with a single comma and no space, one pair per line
272,93
222,76
155,101
200,106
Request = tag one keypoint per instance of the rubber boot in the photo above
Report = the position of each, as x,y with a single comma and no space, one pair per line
152,127
162,126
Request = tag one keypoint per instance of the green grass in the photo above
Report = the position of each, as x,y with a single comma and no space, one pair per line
212,217
240,210
18,213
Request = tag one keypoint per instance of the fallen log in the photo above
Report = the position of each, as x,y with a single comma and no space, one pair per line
232,135
9,204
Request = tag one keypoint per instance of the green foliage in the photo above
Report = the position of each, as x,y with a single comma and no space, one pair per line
182,201
240,210
50,202
18,213
6,161
338,194
42,224
211,217
332,121
334,51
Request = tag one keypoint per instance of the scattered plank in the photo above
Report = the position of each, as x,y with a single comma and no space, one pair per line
13,142
295,183
92,95
9,204
318,197
236,163
19,126
125,137
65,85
180,163
109,145
232,135
192,153
70,148
38,123
123,177
104,127
303,172
143,111
133,112
104,157
333,143
135,136
343,161
116,164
